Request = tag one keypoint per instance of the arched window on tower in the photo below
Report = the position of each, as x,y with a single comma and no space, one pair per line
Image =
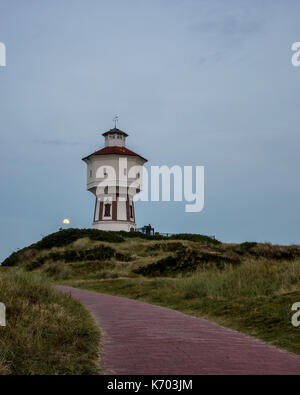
107,210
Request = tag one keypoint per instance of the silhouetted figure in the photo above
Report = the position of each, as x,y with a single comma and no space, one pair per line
148,230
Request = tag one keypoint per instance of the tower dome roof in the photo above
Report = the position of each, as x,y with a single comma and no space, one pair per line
115,151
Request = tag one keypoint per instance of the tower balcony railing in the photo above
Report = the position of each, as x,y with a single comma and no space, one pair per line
129,182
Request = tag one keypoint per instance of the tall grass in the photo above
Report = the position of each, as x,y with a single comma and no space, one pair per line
47,332
251,279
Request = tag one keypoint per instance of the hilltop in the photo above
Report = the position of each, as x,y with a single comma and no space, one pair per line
95,254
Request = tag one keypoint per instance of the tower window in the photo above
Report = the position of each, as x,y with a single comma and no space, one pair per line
106,190
131,212
107,210
104,171
91,173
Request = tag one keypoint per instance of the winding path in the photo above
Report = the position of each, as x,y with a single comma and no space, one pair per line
140,338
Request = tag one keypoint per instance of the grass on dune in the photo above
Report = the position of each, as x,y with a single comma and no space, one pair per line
249,286
254,298
47,332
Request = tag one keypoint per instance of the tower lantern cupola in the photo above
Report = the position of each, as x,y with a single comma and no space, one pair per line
115,138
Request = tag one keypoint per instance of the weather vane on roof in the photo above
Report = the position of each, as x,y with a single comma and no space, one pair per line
116,119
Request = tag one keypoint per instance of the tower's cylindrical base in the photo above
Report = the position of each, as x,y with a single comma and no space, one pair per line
115,226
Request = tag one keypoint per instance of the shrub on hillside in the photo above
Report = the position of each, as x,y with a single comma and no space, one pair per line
36,263
68,236
180,236
12,260
167,247
140,235
18,257
60,239
267,251
195,237
186,261
248,245
274,252
244,248
100,253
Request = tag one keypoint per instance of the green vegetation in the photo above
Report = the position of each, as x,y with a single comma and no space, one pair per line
195,237
68,236
254,297
249,287
185,261
60,239
47,332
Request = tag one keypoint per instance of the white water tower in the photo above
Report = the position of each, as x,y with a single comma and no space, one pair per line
114,176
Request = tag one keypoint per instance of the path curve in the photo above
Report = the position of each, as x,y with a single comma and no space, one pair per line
141,338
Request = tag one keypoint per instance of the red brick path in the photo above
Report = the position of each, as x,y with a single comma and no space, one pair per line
140,338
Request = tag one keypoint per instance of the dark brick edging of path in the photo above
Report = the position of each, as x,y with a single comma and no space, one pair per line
141,338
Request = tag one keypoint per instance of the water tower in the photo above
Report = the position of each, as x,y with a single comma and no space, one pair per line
114,176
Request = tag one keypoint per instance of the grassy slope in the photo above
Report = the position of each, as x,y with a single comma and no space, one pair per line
47,332
253,294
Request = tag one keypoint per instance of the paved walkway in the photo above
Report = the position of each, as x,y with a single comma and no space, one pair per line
140,338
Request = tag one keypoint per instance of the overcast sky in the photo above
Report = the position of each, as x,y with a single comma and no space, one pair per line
195,83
